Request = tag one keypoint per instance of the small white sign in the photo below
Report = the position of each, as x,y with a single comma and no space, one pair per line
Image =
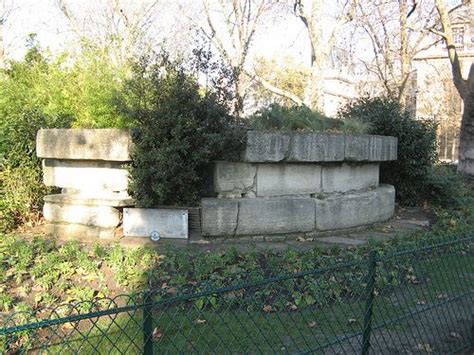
142,222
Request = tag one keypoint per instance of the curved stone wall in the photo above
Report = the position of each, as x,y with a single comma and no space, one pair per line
289,183
285,184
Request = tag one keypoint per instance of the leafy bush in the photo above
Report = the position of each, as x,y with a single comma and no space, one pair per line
42,92
301,118
445,187
180,129
416,145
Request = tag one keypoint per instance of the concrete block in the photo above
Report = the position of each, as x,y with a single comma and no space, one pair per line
266,147
85,175
347,177
275,215
79,232
370,148
356,209
106,199
234,178
218,216
288,179
316,147
99,216
84,144
141,222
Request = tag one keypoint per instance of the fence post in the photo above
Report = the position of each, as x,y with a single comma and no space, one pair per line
147,324
369,301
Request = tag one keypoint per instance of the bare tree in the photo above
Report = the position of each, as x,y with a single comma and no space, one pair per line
6,8
396,31
311,14
120,26
231,26
465,88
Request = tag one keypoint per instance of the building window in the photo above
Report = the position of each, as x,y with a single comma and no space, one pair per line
458,34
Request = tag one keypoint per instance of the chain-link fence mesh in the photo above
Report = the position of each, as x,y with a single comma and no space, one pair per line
408,301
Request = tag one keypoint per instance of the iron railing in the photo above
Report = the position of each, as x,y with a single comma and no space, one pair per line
406,301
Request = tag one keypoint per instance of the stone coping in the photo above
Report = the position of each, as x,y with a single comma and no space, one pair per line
317,147
223,217
84,144
112,200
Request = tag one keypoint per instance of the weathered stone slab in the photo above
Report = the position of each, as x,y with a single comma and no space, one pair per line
234,178
109,199
266,147
288,179
79,231
218,216
370,148
84,144
316,147
85,175
356,209
275,215
99,216
169,223
347,177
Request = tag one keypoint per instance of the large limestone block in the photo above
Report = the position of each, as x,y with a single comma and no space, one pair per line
266,147
275,215
79,231
169,223
288,179
84,144
347,177
356,209
316,147
234,178
98,216
106,199
370,148
218,216
85,175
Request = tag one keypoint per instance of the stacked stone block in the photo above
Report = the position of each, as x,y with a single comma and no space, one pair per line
300,182
89,166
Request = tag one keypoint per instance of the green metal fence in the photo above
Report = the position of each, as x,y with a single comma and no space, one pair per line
406,301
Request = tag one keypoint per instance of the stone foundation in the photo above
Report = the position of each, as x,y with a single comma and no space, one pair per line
90,167
290,183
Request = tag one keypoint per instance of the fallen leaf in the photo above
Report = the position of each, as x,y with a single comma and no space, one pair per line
442,296
421,303
157,334
455,335
312,324
292,306
352,320
200,321
300,239
267,308
424,347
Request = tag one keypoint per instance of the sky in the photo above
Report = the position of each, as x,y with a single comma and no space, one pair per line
279,37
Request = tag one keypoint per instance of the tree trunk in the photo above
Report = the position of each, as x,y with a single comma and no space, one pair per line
466,137
314,95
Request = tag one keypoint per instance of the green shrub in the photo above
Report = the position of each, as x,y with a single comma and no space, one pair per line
301,118
416,145
445,187
180,129
44,92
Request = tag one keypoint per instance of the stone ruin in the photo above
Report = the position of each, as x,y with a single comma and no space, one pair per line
286,185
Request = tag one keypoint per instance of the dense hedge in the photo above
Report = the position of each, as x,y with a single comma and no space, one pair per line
180,130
